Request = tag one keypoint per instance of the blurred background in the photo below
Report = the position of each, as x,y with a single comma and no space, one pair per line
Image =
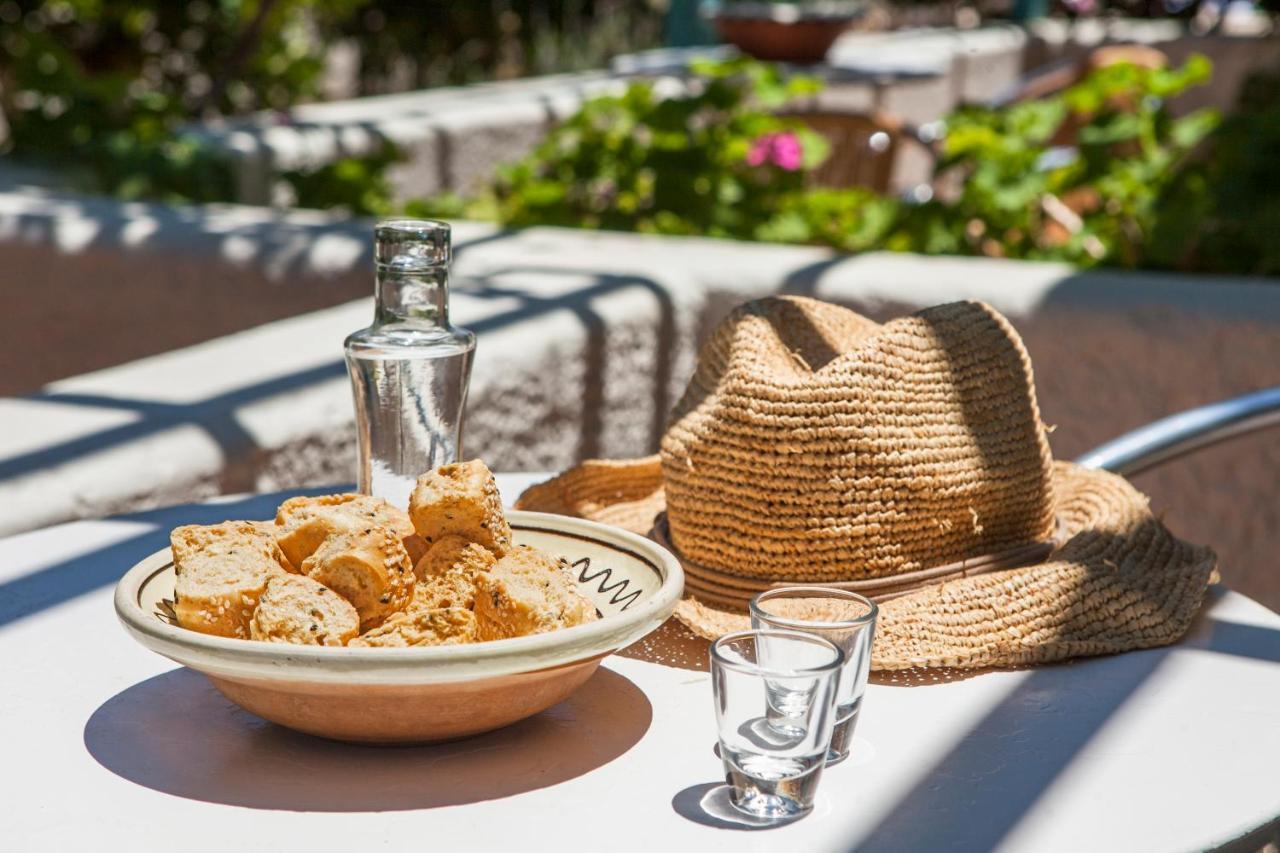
187,192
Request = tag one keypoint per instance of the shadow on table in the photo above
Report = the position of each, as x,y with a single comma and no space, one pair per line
927,676
1001,768
98,567
671,644
176,734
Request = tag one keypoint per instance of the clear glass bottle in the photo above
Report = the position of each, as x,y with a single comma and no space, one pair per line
410,369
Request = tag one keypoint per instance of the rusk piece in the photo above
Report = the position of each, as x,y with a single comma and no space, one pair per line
422,627
453,552
460,499
297,609
368,567
303,523
222,571
451,589
268,530
528,592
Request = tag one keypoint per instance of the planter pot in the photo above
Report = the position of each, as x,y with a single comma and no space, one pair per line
783,32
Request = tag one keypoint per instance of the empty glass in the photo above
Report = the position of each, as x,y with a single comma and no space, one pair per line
774,694
847,620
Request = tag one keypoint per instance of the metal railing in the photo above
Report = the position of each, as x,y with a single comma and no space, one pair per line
1185,432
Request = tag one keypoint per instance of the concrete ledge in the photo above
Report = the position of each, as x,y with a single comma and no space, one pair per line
586,339
100,282
451,137
573,362
454,137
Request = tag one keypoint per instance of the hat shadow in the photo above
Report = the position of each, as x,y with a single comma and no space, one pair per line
928,676
176,734
813,345
672,644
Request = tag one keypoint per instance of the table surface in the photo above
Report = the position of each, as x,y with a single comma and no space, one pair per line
1165,749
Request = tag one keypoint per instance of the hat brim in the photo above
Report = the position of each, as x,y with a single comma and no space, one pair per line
1119,580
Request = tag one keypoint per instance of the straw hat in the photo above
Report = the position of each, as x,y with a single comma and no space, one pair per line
906,461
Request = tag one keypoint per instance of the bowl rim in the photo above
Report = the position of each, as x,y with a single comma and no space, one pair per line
252,659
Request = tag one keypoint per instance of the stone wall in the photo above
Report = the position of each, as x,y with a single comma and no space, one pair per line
586,339
454,137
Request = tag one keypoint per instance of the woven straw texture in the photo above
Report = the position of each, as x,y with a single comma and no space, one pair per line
1121,581
624,493
813,445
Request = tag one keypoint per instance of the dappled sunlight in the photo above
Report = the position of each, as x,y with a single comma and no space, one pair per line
759,284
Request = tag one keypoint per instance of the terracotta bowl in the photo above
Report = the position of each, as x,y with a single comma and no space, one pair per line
419,695
803,42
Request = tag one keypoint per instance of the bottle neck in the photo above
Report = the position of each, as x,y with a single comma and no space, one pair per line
410,292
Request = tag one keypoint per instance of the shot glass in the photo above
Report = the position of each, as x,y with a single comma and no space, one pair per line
774,694
843,618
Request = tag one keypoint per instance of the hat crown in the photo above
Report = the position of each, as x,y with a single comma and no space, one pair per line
813,444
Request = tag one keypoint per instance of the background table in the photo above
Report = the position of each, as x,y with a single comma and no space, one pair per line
1166,749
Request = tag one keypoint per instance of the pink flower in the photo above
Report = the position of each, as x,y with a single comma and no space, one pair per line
781,149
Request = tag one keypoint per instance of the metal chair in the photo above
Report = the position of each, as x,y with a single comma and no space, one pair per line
1185,432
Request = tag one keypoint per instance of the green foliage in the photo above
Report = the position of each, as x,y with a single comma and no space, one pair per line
677,165
445,42
1223,213
452,206
357,185
1096,202
1078,177
100,88
854,220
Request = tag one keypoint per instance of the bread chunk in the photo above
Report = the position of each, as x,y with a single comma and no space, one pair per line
460,499
453,552
451,589
268,529
528,592
222,571
423,627
439,612
303,523
368,567
297,609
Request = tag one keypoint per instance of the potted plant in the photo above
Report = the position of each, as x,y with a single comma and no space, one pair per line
783,30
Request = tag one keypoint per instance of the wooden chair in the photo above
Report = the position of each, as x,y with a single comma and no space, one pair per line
864,148
1059,76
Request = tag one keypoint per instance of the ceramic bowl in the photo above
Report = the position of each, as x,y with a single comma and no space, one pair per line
417,695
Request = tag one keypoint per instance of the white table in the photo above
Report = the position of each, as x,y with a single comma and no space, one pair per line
103,742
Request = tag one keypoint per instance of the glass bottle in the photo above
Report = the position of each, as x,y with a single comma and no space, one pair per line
410,369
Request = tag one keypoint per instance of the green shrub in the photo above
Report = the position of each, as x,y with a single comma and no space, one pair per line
98,89
1026,194
1223,212
716,162
1087,176
357,185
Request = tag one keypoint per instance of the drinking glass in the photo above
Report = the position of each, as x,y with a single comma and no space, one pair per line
845,619
774,694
